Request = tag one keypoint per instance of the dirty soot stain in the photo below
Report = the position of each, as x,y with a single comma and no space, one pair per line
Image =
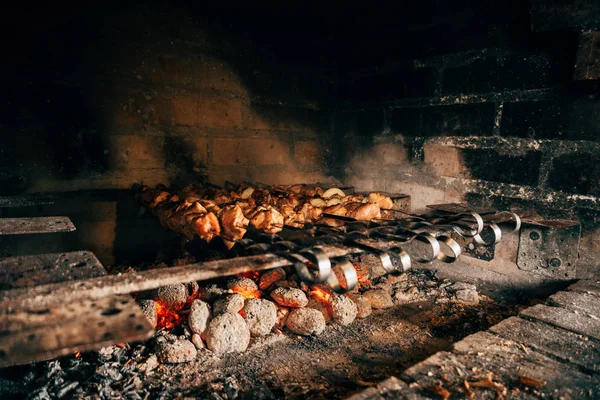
489,165
576,173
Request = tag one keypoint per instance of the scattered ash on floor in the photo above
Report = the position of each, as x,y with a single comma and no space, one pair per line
427,316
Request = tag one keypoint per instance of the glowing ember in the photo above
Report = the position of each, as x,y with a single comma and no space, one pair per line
362,274
321,293
166,318
78,354
246,292
254,275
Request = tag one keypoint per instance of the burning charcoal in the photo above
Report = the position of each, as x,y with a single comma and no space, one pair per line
244,286
363,305
210,292
319,304
199,316
378,298
282,314
270,277
149,309
260,315
284,284
289,297
227,333
306,321
197,340
465,293
343,310
371,266
230,303
172,296
181,350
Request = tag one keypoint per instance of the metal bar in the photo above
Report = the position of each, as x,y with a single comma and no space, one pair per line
100,287
23,226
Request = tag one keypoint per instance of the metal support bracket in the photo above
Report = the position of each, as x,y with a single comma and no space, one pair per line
549,247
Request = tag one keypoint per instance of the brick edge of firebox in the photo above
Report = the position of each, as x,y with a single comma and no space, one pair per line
549,349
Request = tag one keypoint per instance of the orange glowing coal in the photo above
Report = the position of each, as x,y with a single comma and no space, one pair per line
78,354
166,318
254,275
246,292
321,293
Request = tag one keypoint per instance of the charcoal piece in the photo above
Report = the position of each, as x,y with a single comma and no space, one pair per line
363,305
317,304
289,297
227,333
306,321
229,303
199,317
66,388
210,292
270,277
172,296
260,315
179,351
343,310
197,341
244,286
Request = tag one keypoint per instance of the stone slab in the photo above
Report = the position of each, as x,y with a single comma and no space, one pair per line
586,286
391,388
482,353
584,303
564,318
562,344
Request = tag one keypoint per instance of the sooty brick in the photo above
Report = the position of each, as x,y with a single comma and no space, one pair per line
489,165
576,173
451,120
571,118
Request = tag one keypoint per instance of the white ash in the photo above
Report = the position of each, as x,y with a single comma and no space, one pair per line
259,342
410,295
227,333
211,292
343,310
320,306
197,341
229,303
363,305
379,298
199,316
270,277
172,296
305,321
289,297
179,351
149,309
236,284
463,292
260,315
282,314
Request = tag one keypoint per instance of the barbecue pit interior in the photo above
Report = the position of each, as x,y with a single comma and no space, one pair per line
202,201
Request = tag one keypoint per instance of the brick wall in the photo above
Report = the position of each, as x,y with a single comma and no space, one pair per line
510,126
104,98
